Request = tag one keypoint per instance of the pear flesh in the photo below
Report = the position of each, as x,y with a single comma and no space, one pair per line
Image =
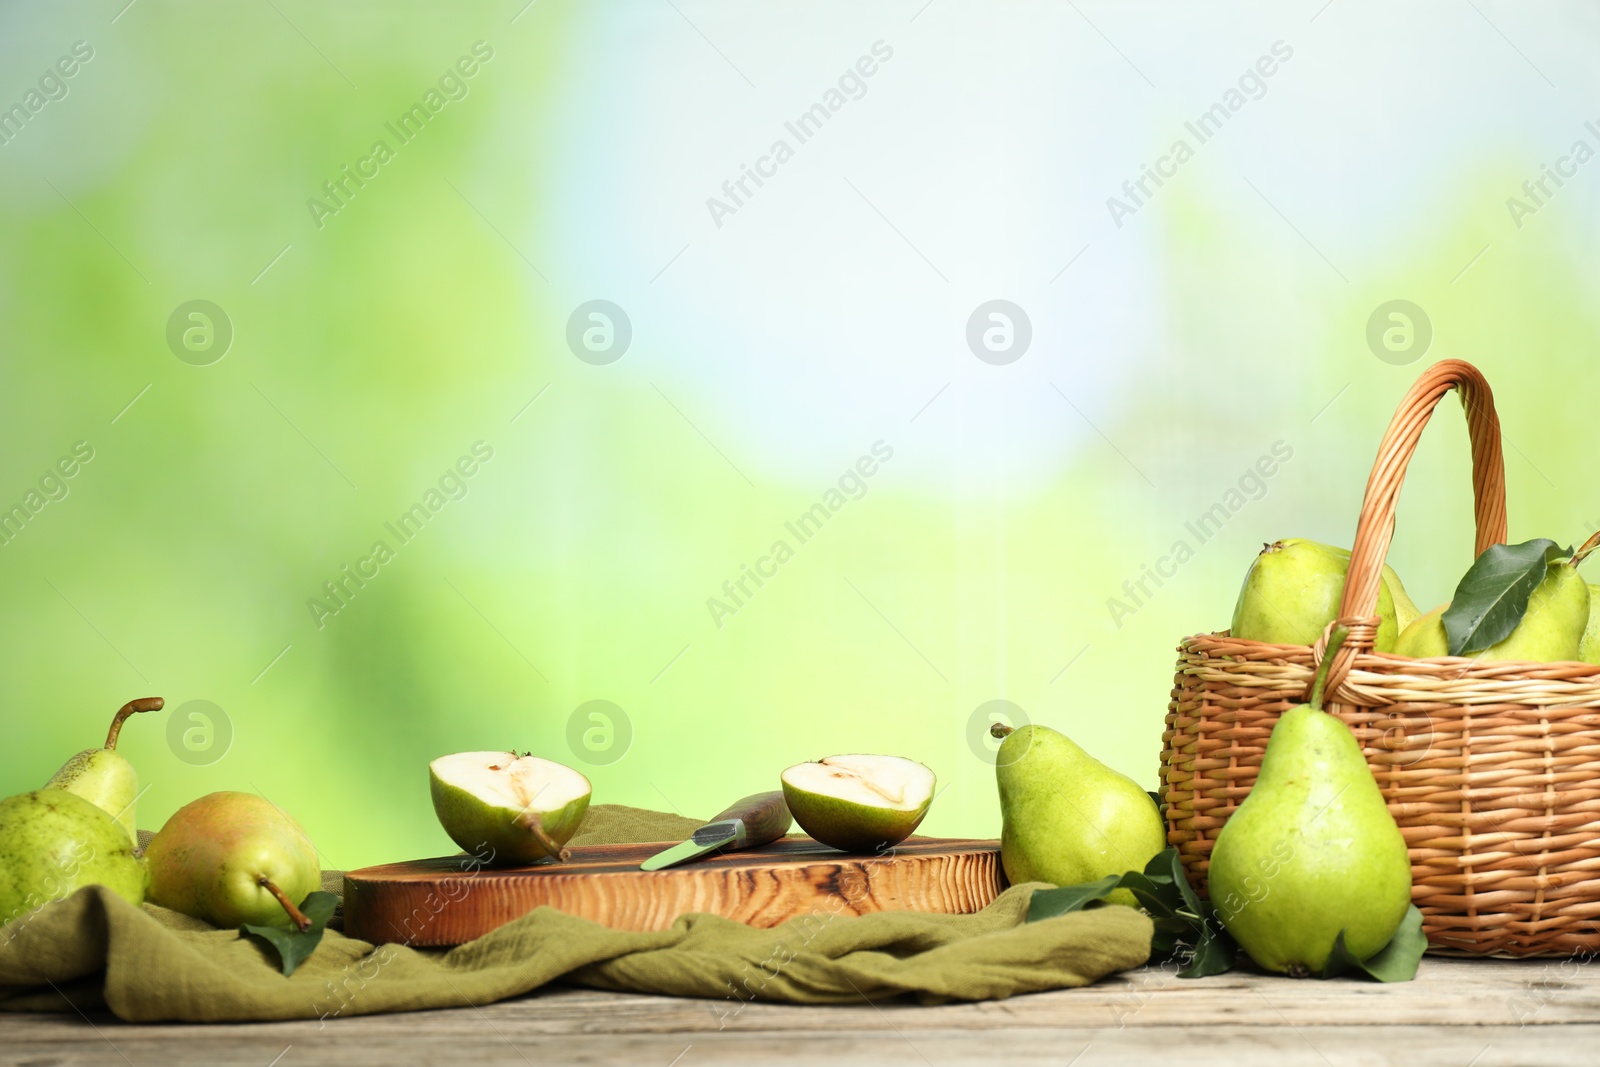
233,858
103,776
1293,589
53,842
858,802
1552,629
1067,818
508,808
1312,852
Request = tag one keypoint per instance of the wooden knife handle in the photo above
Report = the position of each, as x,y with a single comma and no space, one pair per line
765,817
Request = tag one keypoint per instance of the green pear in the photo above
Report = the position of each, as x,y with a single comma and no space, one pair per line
1292,591
1425,637
52,842
1405,609
1551,631
103,776
1067,818
520,809
859,803
1589,646
233,858
1312,851
1589,643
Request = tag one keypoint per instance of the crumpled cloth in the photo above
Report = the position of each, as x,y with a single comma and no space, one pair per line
149,964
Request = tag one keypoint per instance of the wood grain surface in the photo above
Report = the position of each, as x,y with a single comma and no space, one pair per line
445,901
1486,1013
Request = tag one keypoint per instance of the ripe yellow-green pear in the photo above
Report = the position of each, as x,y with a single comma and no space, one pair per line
1551,631
1589,647
859,803
1405,609
1067,818
508,808
53,842
103,776
1312,851
1589,644
1292,592
1425,637
233,858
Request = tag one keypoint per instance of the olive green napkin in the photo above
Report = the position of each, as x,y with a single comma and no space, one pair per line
149,964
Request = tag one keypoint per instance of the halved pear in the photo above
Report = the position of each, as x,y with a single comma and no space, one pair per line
859,803
523,808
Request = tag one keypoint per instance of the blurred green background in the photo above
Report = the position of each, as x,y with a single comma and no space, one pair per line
770,347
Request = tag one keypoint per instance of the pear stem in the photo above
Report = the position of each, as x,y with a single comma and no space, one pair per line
296,916
132,707
1000,729
1583,553
1319,684
530,822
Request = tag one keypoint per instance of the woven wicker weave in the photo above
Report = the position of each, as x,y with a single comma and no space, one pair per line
1492,770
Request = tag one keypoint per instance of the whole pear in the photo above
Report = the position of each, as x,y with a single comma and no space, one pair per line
1312,851
1292,591
1425,637
52,842
1067,818
1551,631
103,776
1405,609
1589,646
233,858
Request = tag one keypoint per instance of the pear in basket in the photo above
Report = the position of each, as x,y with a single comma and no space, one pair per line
1589,644
1589,647
1292,591
1312,853
1554,628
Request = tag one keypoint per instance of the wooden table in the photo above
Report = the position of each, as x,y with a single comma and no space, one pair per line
1482,1013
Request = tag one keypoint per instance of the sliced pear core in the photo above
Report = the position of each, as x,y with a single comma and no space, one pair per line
859,803
506,808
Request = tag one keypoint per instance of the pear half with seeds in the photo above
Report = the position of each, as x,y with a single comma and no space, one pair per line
507,808
859,803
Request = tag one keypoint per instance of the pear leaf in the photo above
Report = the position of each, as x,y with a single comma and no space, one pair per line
1161,805
1172,866
1493,595
1155,895
1186,927
293,946
1048,903
1213,954
1340,961
1395,962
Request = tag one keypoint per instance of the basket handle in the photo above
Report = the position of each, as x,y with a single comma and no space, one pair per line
1375,529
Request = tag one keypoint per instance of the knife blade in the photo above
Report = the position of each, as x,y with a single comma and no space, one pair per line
746,823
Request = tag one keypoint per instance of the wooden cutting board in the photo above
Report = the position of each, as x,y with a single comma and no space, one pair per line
444,902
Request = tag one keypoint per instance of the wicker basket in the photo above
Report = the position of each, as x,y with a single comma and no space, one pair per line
1492,770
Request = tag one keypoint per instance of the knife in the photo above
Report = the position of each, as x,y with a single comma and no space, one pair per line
755,820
